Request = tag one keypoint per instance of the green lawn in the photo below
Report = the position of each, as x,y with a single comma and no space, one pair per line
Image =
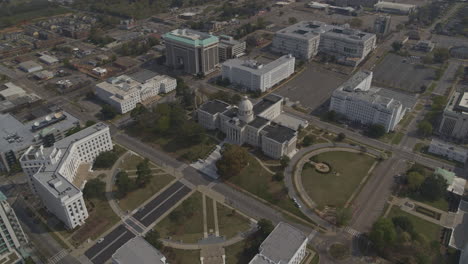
441,204
406,120
397,138
256,180
234,253
134,199
427,229
330,189
180,256
231,224
190,230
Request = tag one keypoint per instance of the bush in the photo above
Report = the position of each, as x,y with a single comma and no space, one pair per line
308,140
375,131
279,176
105,160
94,188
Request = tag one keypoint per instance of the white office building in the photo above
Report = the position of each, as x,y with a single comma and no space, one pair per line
285,245
12,237
51,171
356,100
454,125
449,151
254,76
394,8
138,251
125,92
307,38
252,124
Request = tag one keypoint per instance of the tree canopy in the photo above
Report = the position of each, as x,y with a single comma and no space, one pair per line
234,158
434,187
383,234
376,131
105,160
94,188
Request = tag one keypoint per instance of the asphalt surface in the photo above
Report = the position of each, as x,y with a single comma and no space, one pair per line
102,252
446,81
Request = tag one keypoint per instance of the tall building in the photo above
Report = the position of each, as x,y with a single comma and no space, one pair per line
52,171
230,48
285,245
454,123
193,51
125,92
356,100
251,124
306,38
16,136
138,250
257,77
382,25
12,237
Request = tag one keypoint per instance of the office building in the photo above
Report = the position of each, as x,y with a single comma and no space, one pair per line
285,245
12,237
125,92
394,8
256,77
454,125
194,52
382,25
229,48
356,100
447,150
51,171
251,124
138,250
16,137
305,39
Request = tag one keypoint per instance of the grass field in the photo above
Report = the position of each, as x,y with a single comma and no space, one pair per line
234,253
256,180
441,204
180,256
330,189
427,229
190,230
231,224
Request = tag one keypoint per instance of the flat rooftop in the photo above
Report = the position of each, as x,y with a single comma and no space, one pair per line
265,103
215,106
13,134
138,251
121,85
57,185
143,75
279,133
281,245
256,68
459,239
191,37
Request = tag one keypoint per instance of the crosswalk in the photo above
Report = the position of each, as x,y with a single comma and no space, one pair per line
57,257
352,232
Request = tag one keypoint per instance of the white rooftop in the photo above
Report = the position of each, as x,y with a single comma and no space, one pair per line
138,251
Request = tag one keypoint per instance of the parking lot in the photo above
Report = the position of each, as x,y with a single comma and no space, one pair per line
402,73
312,87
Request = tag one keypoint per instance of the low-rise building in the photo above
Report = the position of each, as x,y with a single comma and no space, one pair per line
12,237
30,66
424,46
394,8
100,71
449,151
138,250
306,38
16,137
52,170
257,77
356,100
285,244
49,60
251,124
230,48
125,92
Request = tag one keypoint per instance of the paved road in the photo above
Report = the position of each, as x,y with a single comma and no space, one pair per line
447,79
102,252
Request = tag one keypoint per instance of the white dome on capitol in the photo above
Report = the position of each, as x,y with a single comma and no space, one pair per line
245,105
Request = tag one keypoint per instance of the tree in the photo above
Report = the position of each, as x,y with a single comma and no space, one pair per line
396,46
355,22
330,116
343,215
292,20
108,112
124,183
376,131
403,223
425,128
308,140
279,176
265,227
90,123
440,55
284,161
105,160
433,188
383,234
153,237
415,179
340,137
94,188
143,173
234,158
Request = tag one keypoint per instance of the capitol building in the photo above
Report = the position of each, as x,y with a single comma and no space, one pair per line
258,125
